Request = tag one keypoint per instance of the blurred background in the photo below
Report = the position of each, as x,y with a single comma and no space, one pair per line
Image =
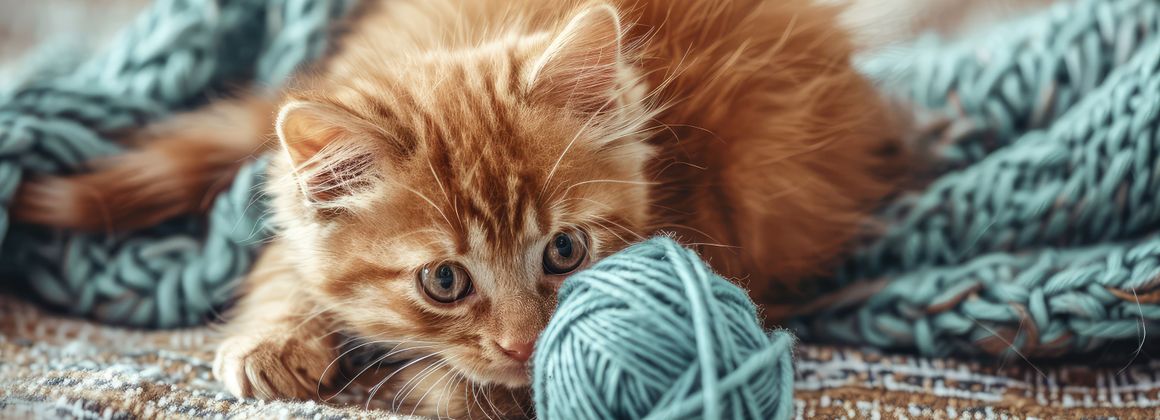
82,25
70,26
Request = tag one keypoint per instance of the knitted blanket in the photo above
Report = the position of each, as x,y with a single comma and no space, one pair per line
173,57
1037,236
57,367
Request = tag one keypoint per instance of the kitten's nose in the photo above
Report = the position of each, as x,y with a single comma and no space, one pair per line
521,351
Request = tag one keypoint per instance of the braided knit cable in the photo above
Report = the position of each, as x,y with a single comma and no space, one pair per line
1043,304
1042,246
1091,177
1020,76
174,53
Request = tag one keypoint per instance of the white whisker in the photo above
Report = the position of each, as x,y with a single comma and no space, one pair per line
413,382
475,389
375,389
1144,336
568,147
1010,346
430,388
394,350
432,203
610,181
446,197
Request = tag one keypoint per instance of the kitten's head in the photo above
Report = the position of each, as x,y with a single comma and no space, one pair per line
441,201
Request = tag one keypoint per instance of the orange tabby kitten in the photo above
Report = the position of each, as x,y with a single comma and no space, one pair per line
455,160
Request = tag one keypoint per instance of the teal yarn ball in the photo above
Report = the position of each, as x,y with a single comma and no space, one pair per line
652,332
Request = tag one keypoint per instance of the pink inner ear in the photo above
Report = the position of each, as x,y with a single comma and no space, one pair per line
579,68
305,130
331,158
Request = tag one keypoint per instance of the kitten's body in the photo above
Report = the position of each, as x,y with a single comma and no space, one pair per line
475,131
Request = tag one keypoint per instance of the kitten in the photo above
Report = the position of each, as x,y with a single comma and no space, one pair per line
453,161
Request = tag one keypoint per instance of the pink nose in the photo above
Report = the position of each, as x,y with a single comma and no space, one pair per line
521,351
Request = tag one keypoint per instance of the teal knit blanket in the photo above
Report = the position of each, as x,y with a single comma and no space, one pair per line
171,58
1035,234
1038,237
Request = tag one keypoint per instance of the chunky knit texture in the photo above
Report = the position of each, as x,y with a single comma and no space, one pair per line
171,58
1039,236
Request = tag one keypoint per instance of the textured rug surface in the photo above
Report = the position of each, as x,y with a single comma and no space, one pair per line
58,367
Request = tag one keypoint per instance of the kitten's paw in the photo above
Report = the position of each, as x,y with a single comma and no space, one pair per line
274,366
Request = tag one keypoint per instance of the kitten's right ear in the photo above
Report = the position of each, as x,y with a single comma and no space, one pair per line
579,68
331,154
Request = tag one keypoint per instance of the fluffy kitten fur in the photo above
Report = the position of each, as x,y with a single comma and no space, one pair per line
472,132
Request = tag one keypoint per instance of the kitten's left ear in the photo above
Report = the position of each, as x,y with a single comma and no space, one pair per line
331,153
579,68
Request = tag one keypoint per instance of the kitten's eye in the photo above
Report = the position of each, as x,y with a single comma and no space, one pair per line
445,283
564,253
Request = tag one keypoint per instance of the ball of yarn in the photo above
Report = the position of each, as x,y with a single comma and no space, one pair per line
652,332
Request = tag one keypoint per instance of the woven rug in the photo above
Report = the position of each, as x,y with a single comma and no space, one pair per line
58,367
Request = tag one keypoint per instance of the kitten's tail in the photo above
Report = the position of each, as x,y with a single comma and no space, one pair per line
176,167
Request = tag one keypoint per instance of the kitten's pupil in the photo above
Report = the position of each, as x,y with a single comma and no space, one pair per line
446,277
564,245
